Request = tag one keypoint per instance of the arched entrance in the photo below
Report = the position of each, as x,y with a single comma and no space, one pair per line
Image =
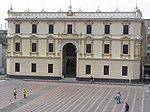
69,60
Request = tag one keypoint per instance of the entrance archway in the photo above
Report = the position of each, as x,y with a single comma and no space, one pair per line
69,60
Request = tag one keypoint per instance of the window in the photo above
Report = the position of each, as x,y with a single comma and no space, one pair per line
17,28
125,49
17,67
69,29
33,47
33,67
51,29
34,28
106,48
17,47
107,29
88,69
125,29
106,70
50,47
50,68
89,29
124,70
88,48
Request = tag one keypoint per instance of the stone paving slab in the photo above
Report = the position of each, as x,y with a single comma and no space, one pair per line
72,97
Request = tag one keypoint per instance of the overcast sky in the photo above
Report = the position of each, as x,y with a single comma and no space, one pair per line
84,5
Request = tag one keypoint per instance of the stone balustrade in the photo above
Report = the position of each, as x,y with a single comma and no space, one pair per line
75,15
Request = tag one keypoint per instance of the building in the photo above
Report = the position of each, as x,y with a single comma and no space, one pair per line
3,51
106,45
146,49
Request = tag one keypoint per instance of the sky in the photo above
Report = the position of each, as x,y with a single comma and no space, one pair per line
84,5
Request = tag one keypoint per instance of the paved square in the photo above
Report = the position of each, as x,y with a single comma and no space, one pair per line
71,97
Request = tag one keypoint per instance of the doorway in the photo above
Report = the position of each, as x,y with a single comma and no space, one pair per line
69,60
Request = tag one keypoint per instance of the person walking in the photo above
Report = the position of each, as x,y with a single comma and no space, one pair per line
15,93
24,93
118,97
91,79
126,107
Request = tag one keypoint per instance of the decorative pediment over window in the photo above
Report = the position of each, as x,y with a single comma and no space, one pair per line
88,37
51,37
33,36
17,36
107,38
125,38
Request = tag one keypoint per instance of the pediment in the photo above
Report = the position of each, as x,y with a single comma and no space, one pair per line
107,38
16,36
125,38
33,37
50,37
88,37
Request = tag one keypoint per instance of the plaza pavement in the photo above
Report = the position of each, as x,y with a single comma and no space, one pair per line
60,96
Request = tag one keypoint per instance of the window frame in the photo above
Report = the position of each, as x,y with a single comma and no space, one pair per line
107,29
33,67
124,70
106,48
89,29
17,47
51,29
88,48
34,47
17,28
34,28
106,70
50,47
125,29
88,69
17,67
50,68
125,49
69,28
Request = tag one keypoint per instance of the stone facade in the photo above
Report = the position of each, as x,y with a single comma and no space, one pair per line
3,51
106,45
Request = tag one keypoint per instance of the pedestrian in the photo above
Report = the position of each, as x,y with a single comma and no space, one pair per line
126,107
24,93
15,93
118,97
91,79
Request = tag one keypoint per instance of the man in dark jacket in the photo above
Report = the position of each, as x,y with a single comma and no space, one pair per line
91,79
126,107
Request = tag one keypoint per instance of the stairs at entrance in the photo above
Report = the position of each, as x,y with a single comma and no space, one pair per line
69,80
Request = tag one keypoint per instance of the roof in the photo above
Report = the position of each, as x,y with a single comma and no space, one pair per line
73,15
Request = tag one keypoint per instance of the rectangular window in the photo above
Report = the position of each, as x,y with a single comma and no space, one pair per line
88,48
88,69
69,29
17,67
106,70
107,29
33,47
17,28
89,29
34,28
125,49
33,67
126,29
50,47
124,70
106,48
17,47
50,68
51,29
